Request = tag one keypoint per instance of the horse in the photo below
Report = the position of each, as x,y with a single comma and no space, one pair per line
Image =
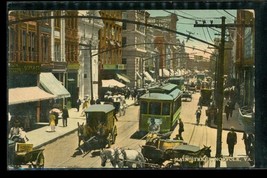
108,154
129,157
83,133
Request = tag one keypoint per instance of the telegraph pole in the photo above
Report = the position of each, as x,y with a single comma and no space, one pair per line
219,88
91,69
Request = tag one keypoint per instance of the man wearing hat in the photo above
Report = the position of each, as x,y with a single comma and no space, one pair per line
231,141
181,128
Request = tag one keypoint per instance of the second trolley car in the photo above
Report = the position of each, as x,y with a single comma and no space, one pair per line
161,106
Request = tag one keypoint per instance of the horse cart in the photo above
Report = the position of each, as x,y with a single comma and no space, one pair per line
100,130
168,153
155,147
20,154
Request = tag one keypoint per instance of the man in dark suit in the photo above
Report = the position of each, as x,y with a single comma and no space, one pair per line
231,141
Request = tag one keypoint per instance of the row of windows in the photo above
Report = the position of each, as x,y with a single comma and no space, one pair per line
159,108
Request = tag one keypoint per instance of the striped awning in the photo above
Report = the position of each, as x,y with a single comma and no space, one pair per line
27,94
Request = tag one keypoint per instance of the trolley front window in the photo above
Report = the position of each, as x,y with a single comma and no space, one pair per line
155,108
166,109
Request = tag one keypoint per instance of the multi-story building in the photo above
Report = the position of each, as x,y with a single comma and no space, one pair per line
40,58
134,45
168,50
70,30
245,68
245,57
88,58
110,51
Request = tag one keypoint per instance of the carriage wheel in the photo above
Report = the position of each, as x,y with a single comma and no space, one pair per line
39,163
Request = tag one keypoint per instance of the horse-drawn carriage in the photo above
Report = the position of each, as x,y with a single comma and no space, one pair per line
100,129
23,154
166,153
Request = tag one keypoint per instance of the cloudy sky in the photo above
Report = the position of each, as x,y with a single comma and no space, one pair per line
186,21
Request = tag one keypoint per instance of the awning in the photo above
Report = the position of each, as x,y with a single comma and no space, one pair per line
27,94
112,83
148,76
120,76
51,84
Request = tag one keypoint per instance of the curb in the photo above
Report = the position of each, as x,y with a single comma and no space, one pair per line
54,139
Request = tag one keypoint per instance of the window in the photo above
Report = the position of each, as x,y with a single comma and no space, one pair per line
124,61
124,41
124,25
57,52
12,46
32,46
166,109
44,47
143,107
24,45
155,108
57,20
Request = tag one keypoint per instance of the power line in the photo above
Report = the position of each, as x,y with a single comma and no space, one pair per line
229,13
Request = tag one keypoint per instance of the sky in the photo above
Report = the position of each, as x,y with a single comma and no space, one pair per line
186,21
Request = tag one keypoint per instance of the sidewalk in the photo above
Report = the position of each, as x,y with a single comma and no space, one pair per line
40,137
233,121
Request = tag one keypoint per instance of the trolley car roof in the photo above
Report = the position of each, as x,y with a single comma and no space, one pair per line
162,96
100,108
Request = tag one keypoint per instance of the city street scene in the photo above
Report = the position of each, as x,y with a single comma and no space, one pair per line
131,89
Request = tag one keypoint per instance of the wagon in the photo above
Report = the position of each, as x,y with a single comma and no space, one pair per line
206,97
155,147
187,156
20,154
100,130
167,153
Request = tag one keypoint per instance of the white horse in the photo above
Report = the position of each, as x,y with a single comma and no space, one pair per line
108,154
128,158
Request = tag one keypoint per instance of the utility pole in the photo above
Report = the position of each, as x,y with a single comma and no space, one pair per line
220,80
91,69
219,88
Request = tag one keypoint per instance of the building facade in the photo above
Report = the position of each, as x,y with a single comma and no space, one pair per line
88,54
38,63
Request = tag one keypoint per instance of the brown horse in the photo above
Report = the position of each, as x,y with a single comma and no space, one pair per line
84,133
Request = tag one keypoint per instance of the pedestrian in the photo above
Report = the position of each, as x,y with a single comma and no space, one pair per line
181,129
227,110
15,131
231,141
65,116
198,114
78,103
92,101
97,101
52,122
246,142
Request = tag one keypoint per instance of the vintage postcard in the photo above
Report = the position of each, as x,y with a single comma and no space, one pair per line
134,85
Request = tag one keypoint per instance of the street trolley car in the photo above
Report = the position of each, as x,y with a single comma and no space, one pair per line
179,81
160,105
